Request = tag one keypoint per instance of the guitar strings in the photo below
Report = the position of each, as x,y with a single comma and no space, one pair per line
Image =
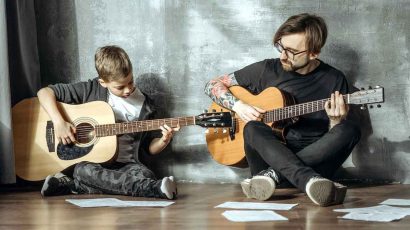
288,111
280,113
84,132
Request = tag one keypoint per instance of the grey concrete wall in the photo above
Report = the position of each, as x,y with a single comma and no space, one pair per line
177,46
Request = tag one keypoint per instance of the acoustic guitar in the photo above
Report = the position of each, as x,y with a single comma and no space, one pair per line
228,148
38,153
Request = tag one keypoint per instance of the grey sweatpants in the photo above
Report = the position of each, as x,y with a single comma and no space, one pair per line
131,179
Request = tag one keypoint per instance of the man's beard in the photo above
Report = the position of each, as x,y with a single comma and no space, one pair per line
288,66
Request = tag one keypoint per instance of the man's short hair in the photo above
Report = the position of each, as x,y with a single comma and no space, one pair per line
313,26
112,63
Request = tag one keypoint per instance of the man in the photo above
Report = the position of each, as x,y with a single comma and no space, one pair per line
318,144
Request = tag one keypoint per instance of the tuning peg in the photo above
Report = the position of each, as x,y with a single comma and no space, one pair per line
363,107
206,131
205,110
216,131
224,131
362,88
371,106
214,110
370,87
378,106
377,86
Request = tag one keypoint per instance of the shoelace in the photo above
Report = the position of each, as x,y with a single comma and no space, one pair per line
270,173
65,181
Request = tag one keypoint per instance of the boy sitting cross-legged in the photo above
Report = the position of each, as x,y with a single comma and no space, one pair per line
126,175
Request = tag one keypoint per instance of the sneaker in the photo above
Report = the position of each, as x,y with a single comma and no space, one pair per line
58,184
169,188
321,191
259,187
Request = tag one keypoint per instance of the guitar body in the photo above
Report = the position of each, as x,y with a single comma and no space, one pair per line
38,154
228,151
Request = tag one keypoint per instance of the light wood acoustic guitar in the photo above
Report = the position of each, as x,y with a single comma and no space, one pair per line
228,148
38,153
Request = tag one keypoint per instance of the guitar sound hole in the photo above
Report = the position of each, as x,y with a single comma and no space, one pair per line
84,133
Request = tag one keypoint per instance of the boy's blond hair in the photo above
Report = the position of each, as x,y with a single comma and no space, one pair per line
112,63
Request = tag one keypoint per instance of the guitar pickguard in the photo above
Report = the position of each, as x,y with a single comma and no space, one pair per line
71,152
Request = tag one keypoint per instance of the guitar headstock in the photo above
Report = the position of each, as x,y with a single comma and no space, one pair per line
214,120
370,96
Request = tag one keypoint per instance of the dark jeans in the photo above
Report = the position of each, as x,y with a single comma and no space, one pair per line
321,158
131,179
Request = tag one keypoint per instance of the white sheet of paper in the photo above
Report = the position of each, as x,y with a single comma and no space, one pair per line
100,202
377,209
380,217
148,203
113,202
247,216
403,202
255,205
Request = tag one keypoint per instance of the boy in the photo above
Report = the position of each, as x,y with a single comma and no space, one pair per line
125,176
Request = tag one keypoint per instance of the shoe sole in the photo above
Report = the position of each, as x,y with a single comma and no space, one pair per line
45,185
261,187
170,188
322,192
176,188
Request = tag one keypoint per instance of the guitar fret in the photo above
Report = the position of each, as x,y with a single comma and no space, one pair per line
138,126
295,110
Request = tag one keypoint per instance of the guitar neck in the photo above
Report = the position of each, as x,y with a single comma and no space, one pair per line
141,126
297,110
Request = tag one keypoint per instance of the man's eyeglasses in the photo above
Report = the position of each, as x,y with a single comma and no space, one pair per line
289,54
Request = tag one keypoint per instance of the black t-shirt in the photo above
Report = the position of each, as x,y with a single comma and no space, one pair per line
316,85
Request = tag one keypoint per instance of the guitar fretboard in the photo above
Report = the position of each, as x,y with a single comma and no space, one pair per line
139,126
297,110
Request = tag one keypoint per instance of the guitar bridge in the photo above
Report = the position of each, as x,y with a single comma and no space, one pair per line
50,136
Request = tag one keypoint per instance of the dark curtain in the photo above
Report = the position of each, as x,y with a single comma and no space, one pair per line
38,46
23,76
23,53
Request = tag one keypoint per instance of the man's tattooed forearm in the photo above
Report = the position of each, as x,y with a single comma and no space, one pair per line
217,90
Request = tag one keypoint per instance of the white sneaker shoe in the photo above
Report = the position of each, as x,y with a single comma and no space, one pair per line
259,187
57,184
321,191
169,188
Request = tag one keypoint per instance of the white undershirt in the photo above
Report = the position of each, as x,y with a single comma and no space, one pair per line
126,109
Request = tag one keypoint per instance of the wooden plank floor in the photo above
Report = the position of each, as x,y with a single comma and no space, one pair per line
194,209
